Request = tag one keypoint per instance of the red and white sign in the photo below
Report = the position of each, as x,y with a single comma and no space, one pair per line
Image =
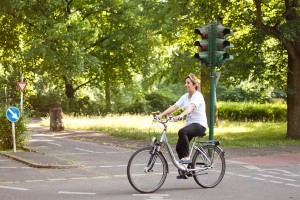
22,85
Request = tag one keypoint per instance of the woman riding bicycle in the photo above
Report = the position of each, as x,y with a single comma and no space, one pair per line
196,121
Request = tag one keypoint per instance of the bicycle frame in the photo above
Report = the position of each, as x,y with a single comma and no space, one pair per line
164,140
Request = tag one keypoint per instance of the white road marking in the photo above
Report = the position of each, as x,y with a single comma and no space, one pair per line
267,178
106,166
59,154
274,173
8,167
79,149
81,178
252,167
260,179
151,195
41,140
56,179
56,144
113,152
294,185
244,176
26,167
236,162
101,152
270,176
291,175
276,182
121,165
34,181
13,188
76,193
279,170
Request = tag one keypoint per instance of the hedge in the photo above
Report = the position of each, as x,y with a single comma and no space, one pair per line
237,111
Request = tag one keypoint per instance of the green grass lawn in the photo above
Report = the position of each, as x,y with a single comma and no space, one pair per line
231,134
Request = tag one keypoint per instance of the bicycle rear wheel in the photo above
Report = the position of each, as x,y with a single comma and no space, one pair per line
146,171
210,170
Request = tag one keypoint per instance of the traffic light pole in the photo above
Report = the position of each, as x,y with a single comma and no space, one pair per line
212,102
212,80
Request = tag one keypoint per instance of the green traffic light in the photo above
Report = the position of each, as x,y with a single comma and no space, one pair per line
224,57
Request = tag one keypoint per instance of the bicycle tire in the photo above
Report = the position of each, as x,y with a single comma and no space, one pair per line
141,179
209,176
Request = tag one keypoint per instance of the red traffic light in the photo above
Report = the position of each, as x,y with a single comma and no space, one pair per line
202,31
202,46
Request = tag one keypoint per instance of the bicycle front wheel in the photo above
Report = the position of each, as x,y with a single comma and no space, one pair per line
209,166
147,171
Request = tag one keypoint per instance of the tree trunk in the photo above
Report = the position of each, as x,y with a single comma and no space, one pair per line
293,95
205,89
69,89
56,123
107,93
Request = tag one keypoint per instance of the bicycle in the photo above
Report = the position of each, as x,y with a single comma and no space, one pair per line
147,168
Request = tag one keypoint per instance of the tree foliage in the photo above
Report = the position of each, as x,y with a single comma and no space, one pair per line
96,51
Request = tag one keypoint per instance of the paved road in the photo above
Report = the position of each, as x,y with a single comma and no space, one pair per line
103,176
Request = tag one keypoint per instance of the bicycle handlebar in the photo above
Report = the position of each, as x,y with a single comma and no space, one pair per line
169,119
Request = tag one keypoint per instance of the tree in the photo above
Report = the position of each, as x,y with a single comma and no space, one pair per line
268,49
285,27
73,44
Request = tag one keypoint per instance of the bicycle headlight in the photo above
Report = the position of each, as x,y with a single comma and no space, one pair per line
154,140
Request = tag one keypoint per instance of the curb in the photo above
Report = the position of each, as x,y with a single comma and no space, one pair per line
53,164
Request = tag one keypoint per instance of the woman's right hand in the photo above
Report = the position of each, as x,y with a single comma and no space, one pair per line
159,116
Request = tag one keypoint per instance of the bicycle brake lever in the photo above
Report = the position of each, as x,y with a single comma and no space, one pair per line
171,119
156,118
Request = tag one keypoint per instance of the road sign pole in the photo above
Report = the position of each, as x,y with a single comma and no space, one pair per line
13,115
14,136
21,102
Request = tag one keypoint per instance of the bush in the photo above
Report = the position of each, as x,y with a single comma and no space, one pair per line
158,102
252,111
6,140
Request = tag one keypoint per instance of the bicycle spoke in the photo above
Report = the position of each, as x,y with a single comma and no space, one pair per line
146,172
209,168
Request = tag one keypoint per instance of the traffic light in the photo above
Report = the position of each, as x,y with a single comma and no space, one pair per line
222,44
204,55
213,45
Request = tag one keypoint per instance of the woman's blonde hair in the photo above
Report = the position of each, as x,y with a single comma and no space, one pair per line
194,80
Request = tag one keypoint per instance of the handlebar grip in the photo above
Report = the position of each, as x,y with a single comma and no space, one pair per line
156,118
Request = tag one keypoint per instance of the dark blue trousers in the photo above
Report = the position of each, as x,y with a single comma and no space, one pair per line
185,135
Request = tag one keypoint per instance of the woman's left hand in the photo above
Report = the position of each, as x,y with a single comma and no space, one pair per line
177,118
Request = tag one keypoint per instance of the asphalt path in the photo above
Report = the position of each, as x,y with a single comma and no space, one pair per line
102,175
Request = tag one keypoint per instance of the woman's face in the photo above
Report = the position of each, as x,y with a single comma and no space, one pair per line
189,85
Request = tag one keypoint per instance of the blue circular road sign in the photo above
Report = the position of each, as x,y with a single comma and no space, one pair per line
13,114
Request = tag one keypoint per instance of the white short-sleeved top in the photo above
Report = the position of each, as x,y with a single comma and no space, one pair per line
198,115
